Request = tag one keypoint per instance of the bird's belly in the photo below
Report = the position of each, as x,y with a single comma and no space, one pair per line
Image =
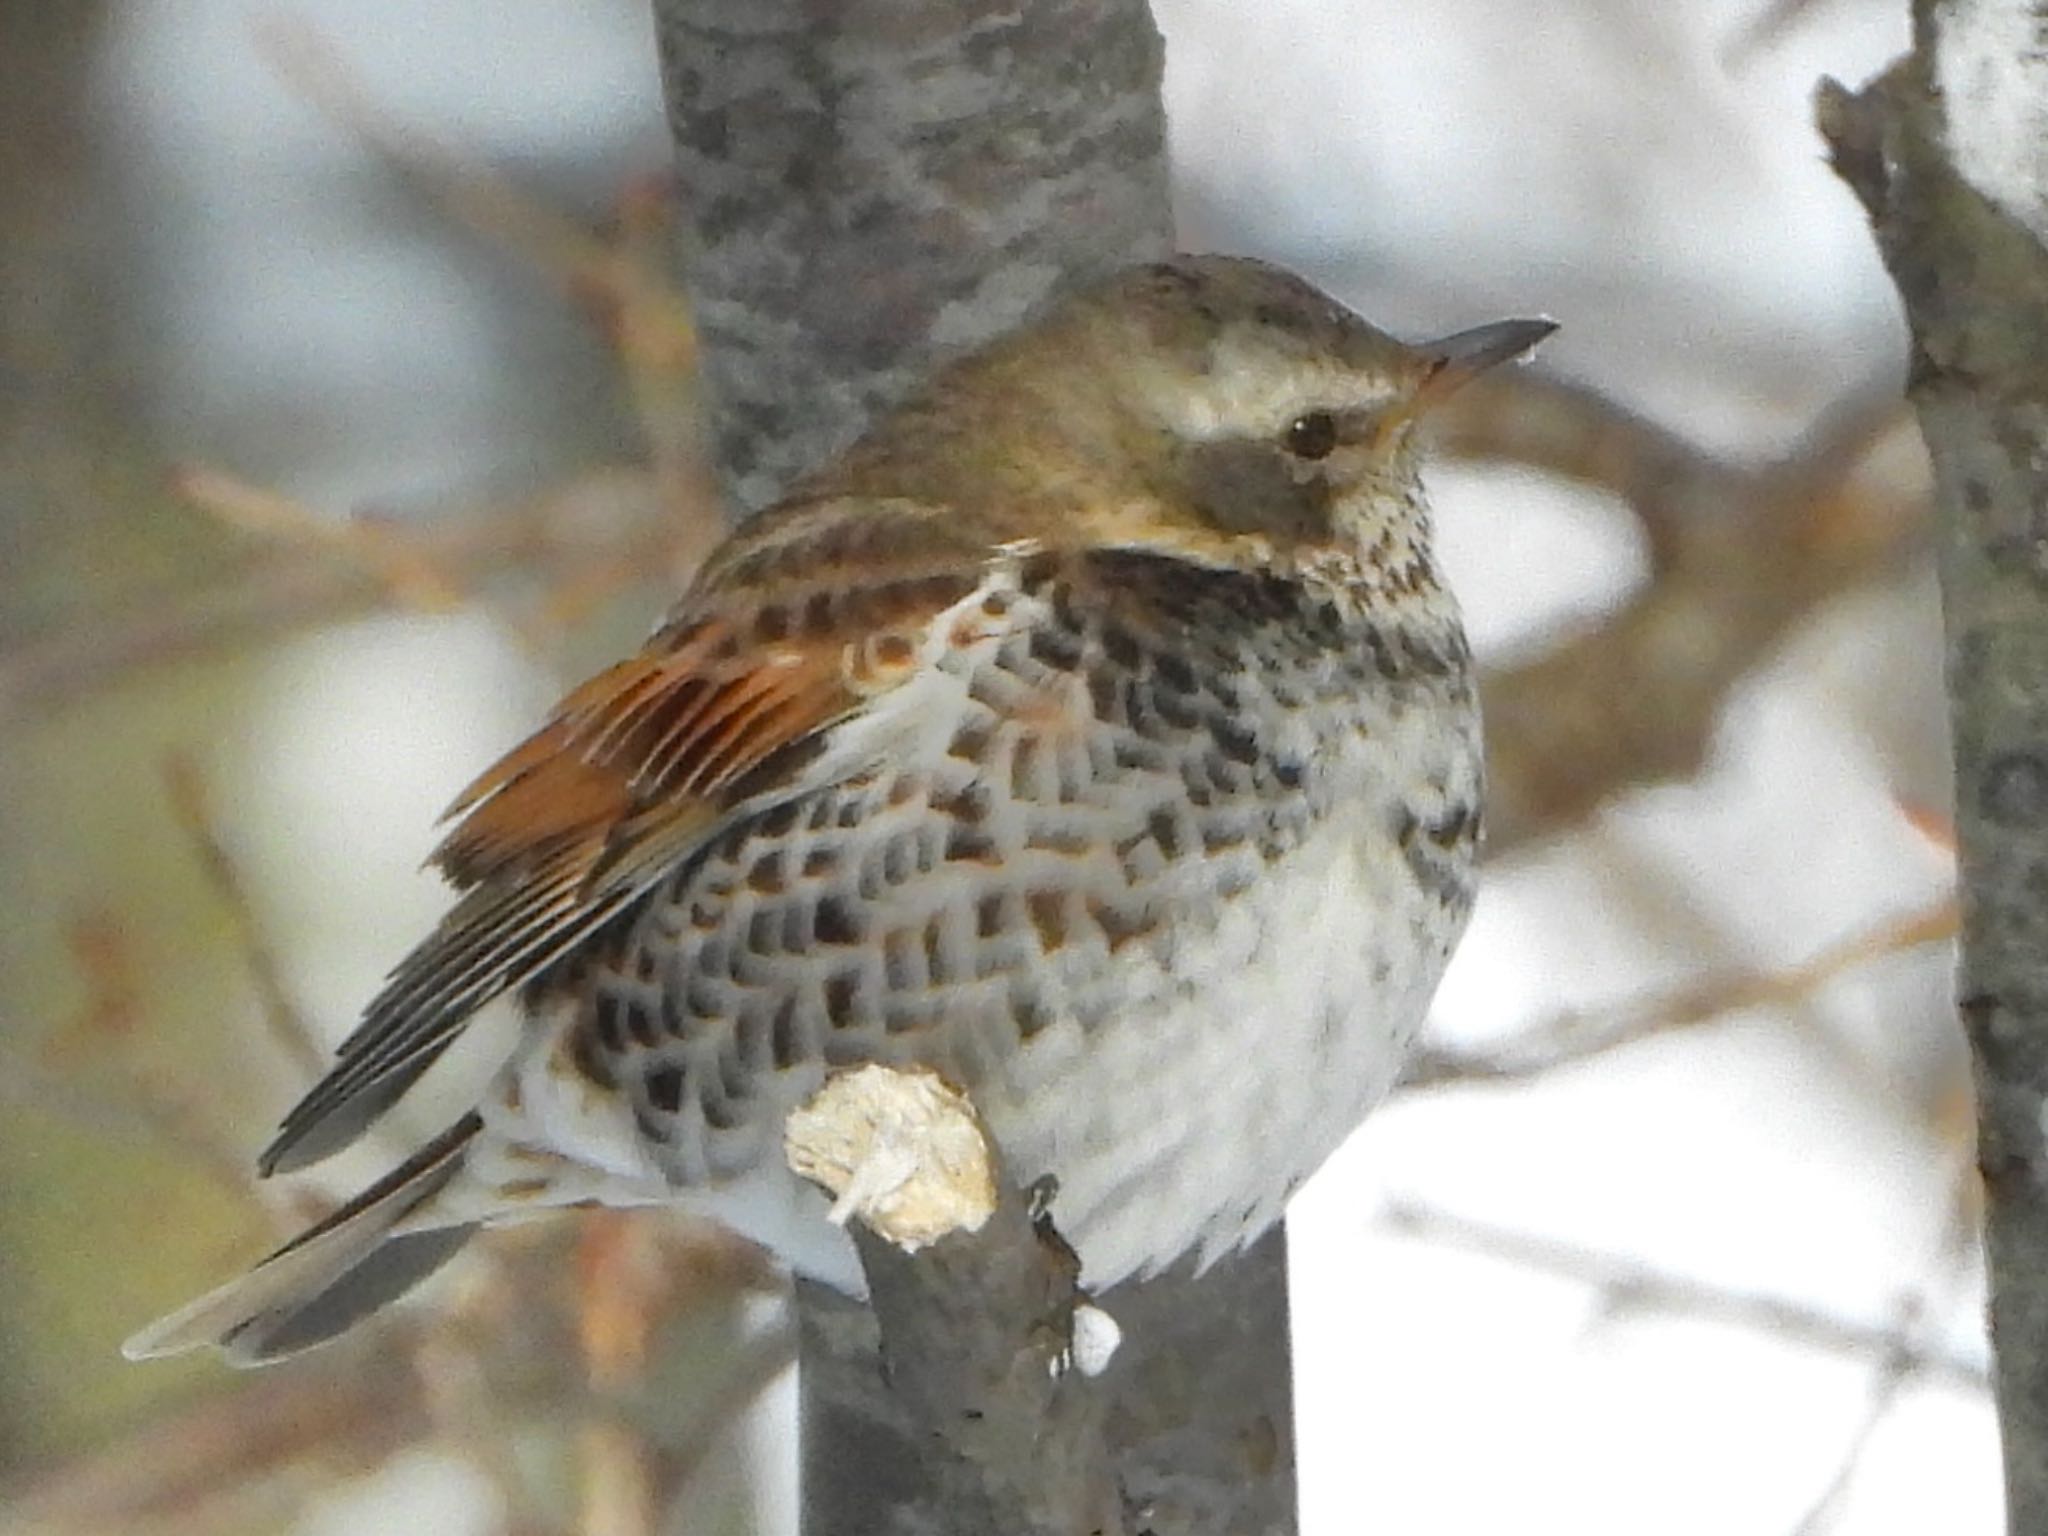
1254,1038
1247,1038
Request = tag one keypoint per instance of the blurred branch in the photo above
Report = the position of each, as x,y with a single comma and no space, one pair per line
607,519
1576,1037
1895,1366
1626,1285
623,283
748,1372
404,566
451,1371
52,1078
104,953
1740,555
148,1119
172,1473
496,1371
585,540
1943,150
282,1020
1771,22
619,1290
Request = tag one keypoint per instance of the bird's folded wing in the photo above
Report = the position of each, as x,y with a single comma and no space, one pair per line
726,710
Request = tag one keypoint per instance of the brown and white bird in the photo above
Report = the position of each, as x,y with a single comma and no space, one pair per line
1098,732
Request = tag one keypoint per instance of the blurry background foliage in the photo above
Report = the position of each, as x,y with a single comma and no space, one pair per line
345,414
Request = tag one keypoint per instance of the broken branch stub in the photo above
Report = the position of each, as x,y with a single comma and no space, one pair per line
899,1148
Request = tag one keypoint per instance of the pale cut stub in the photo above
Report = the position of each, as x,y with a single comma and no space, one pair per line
898,1149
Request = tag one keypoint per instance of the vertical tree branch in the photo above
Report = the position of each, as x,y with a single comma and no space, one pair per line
868,185
1948,154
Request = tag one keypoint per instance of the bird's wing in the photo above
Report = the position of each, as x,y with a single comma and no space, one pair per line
796,627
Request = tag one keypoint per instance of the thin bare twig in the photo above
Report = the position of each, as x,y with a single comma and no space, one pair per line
307,59
1576,1037
282,1020
229,1443
403,564
457,1396
1741,554
608,517
592,538
149,1119
1895,1367
104,954
47,1078
624,284
1758,33
1627,1285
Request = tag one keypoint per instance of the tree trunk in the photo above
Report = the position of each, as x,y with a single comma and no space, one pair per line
867,186
1949,153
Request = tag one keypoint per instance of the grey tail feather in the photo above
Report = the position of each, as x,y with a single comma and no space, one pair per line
330,1276
313,1134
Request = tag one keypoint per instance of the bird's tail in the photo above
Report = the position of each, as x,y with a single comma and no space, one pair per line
371,1251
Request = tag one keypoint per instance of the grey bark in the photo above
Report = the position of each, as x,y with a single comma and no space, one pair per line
1972,270
1190,1433
867,186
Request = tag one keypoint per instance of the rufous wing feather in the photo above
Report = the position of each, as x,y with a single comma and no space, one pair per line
719,715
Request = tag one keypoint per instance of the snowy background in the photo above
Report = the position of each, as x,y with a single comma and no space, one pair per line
1708,1283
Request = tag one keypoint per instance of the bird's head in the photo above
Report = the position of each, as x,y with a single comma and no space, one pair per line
1213,407
1254,408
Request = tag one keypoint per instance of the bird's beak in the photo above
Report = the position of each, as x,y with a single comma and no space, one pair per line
1456,360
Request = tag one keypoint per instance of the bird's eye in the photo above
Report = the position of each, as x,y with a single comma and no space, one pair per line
1312,436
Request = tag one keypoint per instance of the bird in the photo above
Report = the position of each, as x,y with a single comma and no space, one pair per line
1098,732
